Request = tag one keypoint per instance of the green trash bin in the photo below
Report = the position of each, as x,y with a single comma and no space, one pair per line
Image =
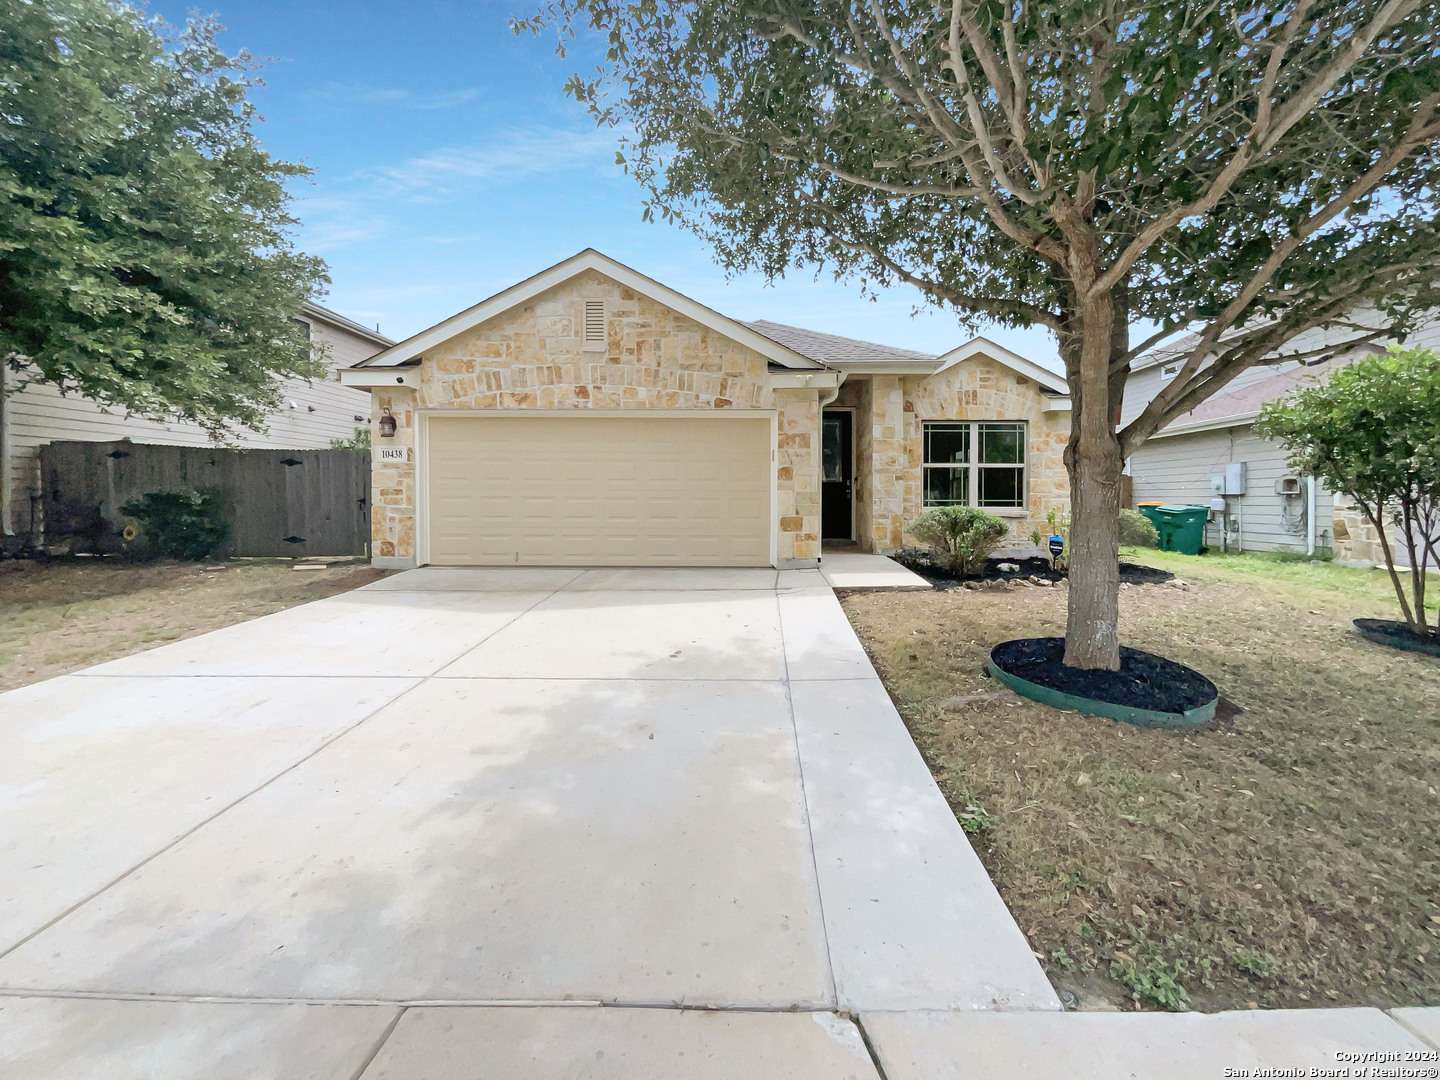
1181,527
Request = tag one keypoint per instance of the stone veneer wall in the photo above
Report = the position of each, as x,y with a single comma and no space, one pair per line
1355,540
533,357
974,390
798,473
392,486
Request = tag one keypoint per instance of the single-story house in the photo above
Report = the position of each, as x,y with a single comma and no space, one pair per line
315,413
590,415
1268,507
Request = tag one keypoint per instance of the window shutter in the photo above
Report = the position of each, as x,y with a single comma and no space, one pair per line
594,320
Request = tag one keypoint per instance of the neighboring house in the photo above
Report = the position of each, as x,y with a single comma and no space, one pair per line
314,413
1277,510
592,416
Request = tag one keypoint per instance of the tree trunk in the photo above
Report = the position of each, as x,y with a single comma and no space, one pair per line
1094,462
1092,624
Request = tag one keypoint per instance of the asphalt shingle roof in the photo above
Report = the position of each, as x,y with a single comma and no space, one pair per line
831,347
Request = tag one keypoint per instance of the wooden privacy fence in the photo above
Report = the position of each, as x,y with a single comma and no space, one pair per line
284,503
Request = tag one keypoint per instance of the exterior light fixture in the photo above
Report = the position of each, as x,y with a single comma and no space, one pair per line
387,424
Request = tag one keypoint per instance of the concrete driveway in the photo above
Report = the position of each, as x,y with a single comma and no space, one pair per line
429,827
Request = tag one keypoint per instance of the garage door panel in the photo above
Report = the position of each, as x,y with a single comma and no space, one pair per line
600,490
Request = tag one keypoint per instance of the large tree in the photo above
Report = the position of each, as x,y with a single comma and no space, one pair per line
145,260
1248,171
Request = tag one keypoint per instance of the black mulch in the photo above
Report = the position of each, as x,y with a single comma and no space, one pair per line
1144,681
1398,635
1025,569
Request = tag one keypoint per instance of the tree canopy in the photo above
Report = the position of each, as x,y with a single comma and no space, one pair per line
1249,171
1257,169
1372,431
145,257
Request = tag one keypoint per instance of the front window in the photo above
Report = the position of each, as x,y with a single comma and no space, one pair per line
974,463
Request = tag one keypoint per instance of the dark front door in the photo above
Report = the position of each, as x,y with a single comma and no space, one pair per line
837,463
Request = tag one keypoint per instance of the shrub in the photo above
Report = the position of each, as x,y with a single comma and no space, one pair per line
1136,530
358,441
179,525
1373,432
961,538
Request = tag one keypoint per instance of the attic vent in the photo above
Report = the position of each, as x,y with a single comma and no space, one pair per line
594,320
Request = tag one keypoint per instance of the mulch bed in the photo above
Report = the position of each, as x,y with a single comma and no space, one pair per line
1144,681
1030,570
1398,635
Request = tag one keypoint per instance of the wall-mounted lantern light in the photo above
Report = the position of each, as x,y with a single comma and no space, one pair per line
387,424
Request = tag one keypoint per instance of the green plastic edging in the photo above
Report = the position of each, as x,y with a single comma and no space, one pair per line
1058,699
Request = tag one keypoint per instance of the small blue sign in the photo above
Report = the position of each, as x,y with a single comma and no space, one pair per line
1057,545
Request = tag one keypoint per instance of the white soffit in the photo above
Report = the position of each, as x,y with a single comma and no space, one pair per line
589,259
1014,361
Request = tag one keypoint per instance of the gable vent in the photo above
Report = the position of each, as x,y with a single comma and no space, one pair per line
594,320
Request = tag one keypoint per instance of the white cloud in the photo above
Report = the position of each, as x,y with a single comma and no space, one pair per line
380,96
371,202
509,155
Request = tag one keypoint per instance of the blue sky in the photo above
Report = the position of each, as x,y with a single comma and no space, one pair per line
449,164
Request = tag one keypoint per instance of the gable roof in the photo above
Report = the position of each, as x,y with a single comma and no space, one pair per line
831,348
1242,404
589,259
979,346
334,318
843,352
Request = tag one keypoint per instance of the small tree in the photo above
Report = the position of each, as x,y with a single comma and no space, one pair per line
1373,432
145,260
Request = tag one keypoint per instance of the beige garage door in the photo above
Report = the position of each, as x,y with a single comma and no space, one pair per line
599,490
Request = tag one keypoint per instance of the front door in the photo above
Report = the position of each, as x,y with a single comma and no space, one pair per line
837,488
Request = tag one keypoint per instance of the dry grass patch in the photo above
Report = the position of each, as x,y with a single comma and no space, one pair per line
63,616
1288,856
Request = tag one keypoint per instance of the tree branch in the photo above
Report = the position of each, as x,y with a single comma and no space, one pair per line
1260,142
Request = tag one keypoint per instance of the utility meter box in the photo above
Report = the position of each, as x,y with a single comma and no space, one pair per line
1231,481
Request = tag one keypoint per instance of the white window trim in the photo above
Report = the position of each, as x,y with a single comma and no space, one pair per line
974,465
1170,370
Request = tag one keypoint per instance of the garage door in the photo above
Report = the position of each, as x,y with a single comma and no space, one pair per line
599,490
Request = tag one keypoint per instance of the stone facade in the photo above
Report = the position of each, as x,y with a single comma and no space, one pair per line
797,461
1357,542
534,357
890,411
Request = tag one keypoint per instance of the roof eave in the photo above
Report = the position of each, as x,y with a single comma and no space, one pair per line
886,367
315,311
1196,426
1014,361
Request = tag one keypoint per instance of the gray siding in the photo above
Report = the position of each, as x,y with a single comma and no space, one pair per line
1178,468
38,414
